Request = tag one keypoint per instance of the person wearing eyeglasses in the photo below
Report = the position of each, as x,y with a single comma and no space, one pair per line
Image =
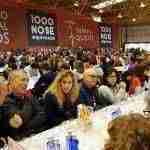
89,91
21,113
112,88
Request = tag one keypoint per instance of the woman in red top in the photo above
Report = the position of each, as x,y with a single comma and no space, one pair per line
134,80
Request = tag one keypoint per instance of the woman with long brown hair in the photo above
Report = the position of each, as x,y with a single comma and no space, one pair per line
61,98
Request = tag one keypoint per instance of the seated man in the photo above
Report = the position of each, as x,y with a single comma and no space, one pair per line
89,91
21,112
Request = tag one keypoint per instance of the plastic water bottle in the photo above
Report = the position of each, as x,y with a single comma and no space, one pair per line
72,142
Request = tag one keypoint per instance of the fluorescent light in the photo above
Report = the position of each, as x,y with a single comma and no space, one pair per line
76,4
107,3
102,5
117,1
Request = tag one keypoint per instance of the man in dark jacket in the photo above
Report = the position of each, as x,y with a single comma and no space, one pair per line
89,92
22,115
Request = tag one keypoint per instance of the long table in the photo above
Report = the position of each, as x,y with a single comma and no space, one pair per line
93,137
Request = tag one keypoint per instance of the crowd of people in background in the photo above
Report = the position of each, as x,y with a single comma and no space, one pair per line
41,89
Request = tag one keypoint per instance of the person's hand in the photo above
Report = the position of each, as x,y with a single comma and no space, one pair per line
2,142
16,121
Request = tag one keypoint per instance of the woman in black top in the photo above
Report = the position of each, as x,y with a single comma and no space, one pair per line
62,98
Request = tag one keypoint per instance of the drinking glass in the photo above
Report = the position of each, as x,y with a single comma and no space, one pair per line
85,116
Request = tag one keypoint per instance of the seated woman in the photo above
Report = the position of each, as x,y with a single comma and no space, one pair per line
134,79
113,89
61,98
130,132
21,113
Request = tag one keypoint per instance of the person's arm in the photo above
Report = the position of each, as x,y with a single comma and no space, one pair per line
83,97
10,108
121,93
38,118
105,97
54,117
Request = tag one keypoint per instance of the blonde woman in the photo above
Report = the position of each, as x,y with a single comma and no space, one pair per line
62,98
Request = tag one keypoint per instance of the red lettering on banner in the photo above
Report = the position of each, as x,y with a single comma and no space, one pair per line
78,34
4,35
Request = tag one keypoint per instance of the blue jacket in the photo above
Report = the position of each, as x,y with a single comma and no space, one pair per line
92,98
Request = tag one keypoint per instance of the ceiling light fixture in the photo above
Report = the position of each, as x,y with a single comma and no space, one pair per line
119,15
142,5
76,4
101,11
133,19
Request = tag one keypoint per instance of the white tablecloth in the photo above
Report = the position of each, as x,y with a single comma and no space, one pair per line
92,138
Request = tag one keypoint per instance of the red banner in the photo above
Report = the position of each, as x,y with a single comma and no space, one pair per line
12,30
72,31
77,31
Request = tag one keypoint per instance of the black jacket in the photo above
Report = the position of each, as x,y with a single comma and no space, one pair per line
56,113
30,111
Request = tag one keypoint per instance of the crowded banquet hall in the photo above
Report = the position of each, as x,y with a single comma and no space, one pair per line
74,75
